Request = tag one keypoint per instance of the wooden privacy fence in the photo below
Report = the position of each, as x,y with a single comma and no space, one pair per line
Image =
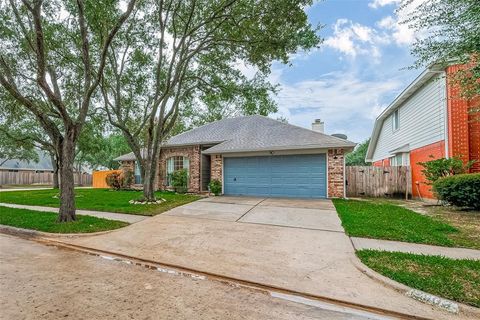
369,181
100,176
32,177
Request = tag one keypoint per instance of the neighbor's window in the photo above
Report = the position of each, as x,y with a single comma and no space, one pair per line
174,164
397,160
396,120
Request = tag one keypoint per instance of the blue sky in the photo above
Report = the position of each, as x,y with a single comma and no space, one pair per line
357,71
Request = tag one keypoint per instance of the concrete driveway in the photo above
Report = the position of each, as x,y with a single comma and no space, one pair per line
293,213
296,244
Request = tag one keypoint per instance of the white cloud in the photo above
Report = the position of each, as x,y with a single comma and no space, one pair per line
353,39
400,33
375,4
345,102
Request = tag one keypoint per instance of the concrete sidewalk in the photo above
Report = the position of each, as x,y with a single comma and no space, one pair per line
387,245
130,218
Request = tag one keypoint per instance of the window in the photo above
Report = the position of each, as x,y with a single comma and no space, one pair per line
395,120
174,164
400,159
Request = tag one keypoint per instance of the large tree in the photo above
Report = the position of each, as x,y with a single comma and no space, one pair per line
52,57
357,156
181,54
448,31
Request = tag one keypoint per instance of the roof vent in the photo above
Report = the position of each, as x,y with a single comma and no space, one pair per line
340,135
318,125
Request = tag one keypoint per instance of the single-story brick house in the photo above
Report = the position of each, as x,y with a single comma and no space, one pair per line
428,120
257,156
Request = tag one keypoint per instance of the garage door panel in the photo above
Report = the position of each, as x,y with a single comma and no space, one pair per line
276,176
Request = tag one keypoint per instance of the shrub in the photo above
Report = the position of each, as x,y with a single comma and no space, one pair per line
122,180
461,190
443,167
215,187
127,179
180,180
113,180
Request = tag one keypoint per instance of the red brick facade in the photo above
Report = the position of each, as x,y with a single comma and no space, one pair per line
216,165
463,124
193,154
336,173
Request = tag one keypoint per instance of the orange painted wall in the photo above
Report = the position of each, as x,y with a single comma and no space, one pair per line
381,163
423,154
98,178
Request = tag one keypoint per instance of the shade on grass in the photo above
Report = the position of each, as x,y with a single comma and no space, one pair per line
387,221
99,200
47,221
457,280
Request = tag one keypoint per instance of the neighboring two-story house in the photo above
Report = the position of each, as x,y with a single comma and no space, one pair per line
427,120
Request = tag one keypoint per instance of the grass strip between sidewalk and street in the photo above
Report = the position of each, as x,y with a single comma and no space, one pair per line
368,219
457,280
100,200
47,222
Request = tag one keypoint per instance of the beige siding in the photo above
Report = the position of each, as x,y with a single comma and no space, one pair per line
422,120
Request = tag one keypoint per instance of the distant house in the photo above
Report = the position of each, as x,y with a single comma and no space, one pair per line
427,120
44,164
255,156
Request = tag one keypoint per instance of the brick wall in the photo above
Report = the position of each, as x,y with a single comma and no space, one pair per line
427,153
216,162
381,163
463,125
193,154
127,165
336,174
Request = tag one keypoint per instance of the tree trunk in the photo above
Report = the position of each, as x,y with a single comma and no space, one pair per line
67,192
54,160
149,181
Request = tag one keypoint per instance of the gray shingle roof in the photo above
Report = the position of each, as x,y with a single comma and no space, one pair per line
256,133
44,163
253,133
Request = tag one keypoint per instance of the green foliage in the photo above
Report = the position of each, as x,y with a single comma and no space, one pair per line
443,167
180,180
100,200
47,222
215,187
127,179
461,190
357,156
11,148
455,279
372,219
178,64
452,29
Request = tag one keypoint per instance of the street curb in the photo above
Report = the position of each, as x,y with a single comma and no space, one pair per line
435,301
29,233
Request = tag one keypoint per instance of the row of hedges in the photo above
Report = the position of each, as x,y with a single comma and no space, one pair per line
462,190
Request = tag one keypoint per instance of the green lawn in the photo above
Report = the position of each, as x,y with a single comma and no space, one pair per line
457,280
99,200
371,219
47,221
